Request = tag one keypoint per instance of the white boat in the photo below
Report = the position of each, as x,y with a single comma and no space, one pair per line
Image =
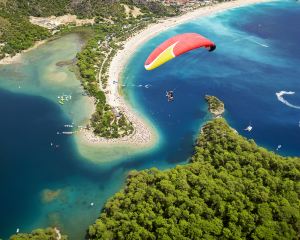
278,147
249,128
67,133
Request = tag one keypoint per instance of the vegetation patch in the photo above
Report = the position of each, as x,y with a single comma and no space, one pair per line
215,105
65,63
40,234
17,34
49,195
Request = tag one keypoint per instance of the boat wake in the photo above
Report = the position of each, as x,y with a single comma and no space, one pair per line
250,39
280,97
261,44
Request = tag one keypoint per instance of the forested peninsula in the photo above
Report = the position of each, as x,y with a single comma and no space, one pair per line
230,189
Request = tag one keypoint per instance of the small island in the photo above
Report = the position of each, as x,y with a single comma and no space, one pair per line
215,105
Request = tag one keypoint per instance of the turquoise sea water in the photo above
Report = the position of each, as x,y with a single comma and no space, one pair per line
256,56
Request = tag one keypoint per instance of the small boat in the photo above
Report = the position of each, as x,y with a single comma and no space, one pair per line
61,102
249,128
64,97
92,204
18,230
278,147
67,133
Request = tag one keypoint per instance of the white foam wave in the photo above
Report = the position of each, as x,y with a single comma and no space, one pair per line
280,97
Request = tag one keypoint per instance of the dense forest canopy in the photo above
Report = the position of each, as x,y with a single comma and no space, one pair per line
83,8
231,189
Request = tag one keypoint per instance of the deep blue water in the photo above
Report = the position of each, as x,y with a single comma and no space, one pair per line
256,56
29,165
241,72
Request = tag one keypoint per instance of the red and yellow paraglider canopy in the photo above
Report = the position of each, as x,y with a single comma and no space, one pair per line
176,46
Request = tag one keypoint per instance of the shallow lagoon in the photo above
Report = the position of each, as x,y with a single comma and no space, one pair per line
242,72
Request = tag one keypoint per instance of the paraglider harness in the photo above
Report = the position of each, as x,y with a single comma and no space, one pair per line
170,96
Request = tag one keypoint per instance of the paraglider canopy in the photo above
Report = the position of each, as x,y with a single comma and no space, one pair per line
176,46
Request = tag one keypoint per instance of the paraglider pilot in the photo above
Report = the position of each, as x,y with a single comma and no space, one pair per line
174,47
170,96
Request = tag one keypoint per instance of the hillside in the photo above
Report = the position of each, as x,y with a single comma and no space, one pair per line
17,33
82,8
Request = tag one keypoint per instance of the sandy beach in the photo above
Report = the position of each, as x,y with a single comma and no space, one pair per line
144,134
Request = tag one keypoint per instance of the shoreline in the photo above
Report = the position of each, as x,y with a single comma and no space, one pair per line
144,133
18,57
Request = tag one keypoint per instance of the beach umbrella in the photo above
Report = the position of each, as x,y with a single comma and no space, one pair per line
176,46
